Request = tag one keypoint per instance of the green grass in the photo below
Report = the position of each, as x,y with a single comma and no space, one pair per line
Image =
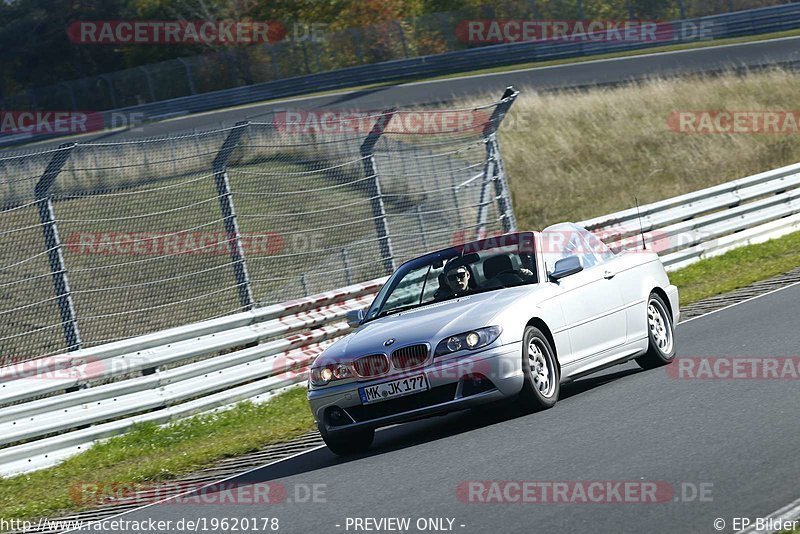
738,268
166,288
152,453
574,155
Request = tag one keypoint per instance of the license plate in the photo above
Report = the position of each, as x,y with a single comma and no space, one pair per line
393,389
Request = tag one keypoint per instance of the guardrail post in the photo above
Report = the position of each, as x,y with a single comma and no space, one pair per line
220,170
374,189
493,169
52,243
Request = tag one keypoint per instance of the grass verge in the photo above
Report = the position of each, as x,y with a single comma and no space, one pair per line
569,156
153,453
574,155
738,268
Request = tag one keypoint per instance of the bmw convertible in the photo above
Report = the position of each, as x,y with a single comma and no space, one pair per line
506,317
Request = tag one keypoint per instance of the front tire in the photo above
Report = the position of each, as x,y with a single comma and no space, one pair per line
346,443
660,333
541,372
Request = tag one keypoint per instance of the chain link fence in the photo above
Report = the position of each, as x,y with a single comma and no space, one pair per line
301,55
105,241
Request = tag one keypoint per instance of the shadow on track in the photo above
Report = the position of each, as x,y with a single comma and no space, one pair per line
424,431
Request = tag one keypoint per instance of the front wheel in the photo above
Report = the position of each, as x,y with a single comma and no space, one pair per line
541,372
660,333
344,443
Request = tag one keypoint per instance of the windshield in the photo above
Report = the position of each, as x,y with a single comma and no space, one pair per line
487,265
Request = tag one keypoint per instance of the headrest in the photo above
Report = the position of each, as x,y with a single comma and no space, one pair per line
496,265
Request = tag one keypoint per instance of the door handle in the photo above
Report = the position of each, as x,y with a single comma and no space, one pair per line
608,275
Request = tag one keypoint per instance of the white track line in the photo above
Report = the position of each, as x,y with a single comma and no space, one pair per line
741,302
790,512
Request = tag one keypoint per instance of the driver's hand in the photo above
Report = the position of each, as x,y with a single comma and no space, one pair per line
526,272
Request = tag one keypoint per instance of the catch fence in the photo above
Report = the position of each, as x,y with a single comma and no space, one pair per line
105,241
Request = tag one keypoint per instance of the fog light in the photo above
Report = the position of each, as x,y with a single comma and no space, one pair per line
473,339
454,344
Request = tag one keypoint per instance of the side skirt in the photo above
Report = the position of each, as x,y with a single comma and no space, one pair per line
604,360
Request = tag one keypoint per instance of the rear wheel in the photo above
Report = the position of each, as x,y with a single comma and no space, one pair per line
661,335
344,443
541,372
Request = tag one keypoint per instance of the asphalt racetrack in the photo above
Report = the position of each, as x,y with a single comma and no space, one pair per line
784,51
727,448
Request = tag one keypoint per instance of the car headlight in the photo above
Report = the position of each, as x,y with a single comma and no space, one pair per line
323,375
474,339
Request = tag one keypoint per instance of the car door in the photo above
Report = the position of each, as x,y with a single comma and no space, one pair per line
591,302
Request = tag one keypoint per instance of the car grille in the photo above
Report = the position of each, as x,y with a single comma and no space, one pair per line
372,365
410,357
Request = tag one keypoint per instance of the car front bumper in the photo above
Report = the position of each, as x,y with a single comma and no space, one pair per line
454,384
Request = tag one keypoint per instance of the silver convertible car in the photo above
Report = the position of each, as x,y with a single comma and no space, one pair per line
512,316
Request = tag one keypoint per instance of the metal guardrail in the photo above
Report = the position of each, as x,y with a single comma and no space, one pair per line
709,222
56,407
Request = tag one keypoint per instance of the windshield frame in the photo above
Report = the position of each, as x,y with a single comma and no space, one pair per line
519,238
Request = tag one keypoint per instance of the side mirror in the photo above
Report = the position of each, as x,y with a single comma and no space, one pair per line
566,267
354,318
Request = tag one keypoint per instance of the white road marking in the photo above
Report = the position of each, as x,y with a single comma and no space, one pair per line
790,512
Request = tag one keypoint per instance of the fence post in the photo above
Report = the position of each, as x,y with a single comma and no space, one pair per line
374,188
52,243
149,80
189,80
493,169
220,170
111,92
346,262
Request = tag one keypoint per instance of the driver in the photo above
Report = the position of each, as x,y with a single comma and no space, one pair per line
458,280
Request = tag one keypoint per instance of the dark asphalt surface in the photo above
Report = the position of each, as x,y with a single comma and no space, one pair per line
589,73
741,437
